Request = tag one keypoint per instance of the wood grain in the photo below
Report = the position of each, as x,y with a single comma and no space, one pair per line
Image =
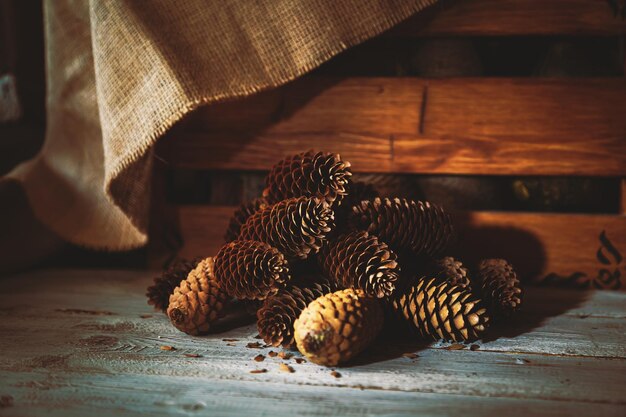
538,244
83,342
574,249
496,126
514,17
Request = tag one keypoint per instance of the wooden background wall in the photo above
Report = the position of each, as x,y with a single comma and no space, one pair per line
394,107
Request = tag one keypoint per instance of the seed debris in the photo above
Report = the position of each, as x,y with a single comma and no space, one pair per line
455,346
284,355
286,368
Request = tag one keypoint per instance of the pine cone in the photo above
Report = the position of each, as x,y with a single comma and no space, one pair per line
241,215
308,174
442,311
278,313
420,227
198,301
360,260
247,269
501,289
338,326
296,227
159,292
451,271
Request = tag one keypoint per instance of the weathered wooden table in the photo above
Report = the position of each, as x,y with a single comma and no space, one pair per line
78,343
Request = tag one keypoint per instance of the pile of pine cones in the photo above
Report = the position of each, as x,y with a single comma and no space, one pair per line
325,261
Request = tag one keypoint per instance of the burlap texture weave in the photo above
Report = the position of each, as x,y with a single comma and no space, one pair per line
122,72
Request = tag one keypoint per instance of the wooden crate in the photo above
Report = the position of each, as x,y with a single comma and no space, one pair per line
461,126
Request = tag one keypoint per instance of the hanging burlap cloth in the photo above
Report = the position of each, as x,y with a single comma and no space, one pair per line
122,72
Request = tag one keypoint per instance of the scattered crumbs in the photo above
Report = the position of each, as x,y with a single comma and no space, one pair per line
521,361
300,360
258,336
230,340
474,347
253,345
285,355
166,347
455,346
272,354
146,316
258,371
336,374
259,358
410,355
286,368
192,355
6,401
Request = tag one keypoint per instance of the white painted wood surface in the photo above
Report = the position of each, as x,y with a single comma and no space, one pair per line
76,343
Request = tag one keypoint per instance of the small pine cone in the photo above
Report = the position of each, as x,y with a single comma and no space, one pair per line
241,215
198,301
360,260
337,326
159,292
420,227
451,271
296,227
278,313
309,174
501,289
442,311
247,269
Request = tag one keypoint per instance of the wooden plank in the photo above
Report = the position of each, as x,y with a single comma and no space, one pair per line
80,340
464,126
515,17
78,396
573,249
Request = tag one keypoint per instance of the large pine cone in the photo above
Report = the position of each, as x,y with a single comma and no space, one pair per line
451,271
159,292
279,312
501,289
247,269
198,301
337,326
241,215
420,227
442,311
360,260
296,227
308,174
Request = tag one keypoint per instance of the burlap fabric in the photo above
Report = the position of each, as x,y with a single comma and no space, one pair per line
121,72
